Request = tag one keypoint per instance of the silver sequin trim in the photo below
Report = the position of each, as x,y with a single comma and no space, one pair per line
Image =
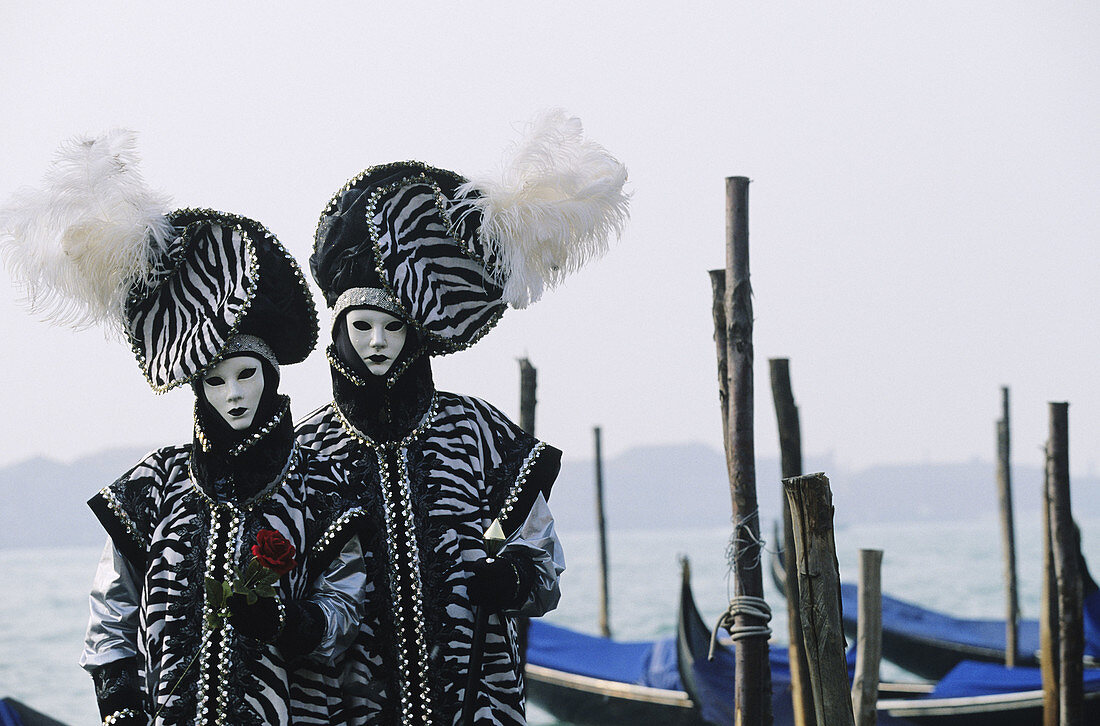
373,296
521,479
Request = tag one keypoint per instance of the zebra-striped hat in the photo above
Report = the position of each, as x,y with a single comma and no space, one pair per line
392,235
452,254
95,245
224,276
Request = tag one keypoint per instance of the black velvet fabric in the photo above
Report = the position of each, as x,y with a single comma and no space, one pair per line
343,252
343,256
383,410
117,688
237,478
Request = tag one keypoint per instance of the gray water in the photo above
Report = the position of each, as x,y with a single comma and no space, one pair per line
953,567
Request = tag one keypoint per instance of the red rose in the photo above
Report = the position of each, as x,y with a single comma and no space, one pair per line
274,551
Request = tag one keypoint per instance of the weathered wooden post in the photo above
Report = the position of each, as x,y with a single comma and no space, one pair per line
1067,573
527,384
605,622
1048,612
811,503
790,458
1008,531
748,609
868,638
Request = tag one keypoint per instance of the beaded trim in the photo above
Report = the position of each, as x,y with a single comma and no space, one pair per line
373,296
335,528
391,377
280,606
252,438
362,438
123,517
113,718
521,479
265,494
243,343
339,367
412,566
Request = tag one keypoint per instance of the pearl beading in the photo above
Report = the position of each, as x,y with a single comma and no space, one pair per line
109,497
415,708
113,718
335,528
521,479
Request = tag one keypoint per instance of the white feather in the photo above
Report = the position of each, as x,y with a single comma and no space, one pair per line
92,232
554,207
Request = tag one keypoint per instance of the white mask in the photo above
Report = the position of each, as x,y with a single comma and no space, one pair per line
234,387
377,337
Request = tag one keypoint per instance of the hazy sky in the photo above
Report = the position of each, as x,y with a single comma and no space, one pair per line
924,216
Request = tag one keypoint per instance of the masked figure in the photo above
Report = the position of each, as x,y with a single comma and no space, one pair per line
233,577
416,261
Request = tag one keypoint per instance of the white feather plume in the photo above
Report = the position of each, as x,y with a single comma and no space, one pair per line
554,207
92,232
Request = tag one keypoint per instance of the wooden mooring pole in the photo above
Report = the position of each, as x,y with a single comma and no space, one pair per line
790,458
1067,574
527,385
1008,531
868,638
752,679
1048,612
811,502
605,597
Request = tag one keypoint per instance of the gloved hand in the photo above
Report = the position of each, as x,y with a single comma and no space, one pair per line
119,695
500,583
302,628
259,621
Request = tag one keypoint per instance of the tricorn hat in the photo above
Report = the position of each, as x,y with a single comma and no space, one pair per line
450,254
185,287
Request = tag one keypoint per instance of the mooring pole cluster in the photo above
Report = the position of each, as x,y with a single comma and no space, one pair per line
733,335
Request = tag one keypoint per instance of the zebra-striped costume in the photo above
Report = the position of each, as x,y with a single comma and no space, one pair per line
168,533
429,499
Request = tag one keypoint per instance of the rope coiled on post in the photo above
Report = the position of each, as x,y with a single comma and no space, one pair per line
749,606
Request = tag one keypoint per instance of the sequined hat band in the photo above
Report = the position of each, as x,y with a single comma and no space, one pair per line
373,296
243,343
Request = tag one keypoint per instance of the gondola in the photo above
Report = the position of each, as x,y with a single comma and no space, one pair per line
593,681
584,679
971,694
929,643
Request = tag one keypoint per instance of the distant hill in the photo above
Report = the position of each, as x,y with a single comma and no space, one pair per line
43,502
682,486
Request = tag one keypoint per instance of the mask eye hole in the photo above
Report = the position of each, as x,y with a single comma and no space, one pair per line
361,325
246,373
214,381
394,326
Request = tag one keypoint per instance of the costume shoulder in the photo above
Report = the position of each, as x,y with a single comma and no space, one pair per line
517,466
323,432
332,506
127,508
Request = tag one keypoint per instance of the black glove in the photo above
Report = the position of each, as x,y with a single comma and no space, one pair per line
259,621
302,630
500,583
119,693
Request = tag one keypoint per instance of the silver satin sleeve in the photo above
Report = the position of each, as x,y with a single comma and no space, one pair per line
114,601
537,537
340,592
